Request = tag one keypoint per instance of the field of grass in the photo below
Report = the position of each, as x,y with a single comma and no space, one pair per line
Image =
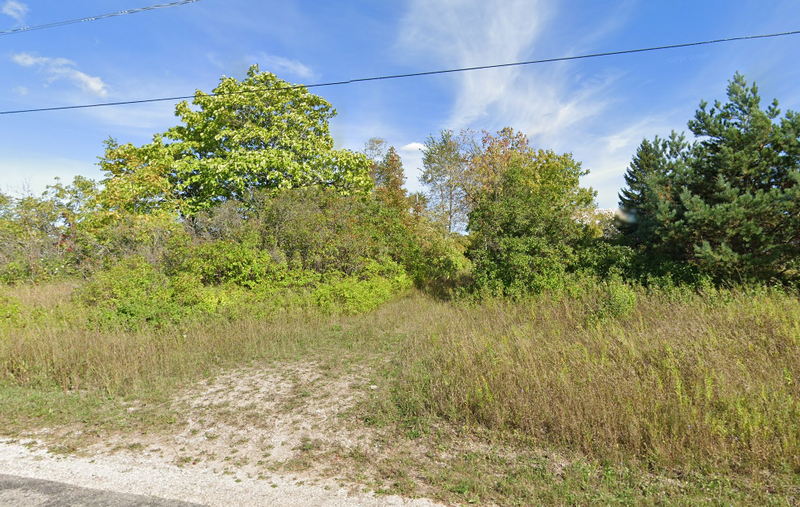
610,394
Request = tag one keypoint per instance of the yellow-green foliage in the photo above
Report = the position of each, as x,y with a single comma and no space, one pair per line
710,379
133,292
357,294
228,279
616,299
9,310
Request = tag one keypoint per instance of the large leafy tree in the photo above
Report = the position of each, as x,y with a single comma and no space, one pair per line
257,133
524,225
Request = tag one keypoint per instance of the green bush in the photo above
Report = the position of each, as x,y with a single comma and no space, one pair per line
15,271
9,310
616,300
224,261
358,294
524,227
132,292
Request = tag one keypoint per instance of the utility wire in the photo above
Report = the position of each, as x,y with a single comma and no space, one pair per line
55,24
414,74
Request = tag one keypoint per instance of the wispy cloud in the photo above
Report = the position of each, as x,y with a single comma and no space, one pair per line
468,33
554,104
280,65
62,68
539,100
15,9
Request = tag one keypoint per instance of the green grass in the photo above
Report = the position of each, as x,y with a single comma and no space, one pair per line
612,395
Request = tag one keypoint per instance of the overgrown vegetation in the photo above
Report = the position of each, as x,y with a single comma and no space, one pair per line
666,339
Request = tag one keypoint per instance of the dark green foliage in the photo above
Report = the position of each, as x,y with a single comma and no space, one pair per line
655,161
738,210
729,207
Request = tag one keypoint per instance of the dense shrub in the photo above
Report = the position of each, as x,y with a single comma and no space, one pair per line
323,230
357,294
524,225
224,261
616,300
133,292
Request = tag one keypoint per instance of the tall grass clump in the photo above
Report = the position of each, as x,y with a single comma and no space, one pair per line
703,380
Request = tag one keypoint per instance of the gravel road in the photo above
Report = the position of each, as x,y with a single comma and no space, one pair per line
31,476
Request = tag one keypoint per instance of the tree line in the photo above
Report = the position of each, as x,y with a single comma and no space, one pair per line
249,185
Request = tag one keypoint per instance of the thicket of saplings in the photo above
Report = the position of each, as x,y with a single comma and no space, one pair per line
668,336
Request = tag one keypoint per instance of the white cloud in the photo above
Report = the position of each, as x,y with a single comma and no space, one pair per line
21,90
412,147
412,167
411,154
15,9
280,65
62,68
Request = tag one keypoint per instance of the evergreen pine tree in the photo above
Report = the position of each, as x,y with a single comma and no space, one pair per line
733,209
653,164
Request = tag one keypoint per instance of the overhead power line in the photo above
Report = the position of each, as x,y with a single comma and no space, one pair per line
414,74
55,24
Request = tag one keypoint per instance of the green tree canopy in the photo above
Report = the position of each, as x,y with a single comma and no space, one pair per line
653,162
525,225
258,133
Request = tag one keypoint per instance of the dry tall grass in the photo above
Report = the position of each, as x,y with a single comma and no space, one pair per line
49,344
708,380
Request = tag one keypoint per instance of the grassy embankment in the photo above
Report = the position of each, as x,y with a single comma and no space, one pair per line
612,395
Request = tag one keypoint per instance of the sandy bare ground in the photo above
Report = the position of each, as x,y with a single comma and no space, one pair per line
249,437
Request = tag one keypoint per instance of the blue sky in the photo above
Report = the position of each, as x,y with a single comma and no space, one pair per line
598,109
